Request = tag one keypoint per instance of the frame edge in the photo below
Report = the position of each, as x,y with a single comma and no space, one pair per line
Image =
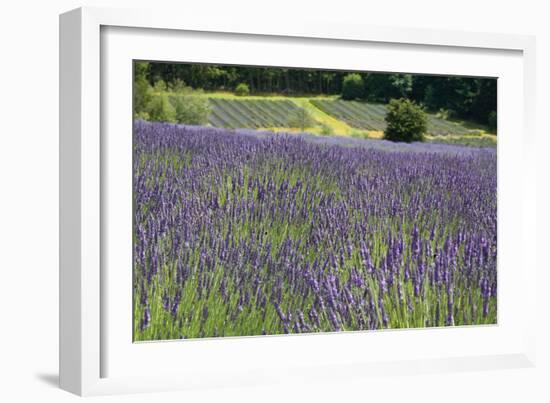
70,120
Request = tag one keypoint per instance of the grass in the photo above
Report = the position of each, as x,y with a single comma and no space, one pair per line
484,140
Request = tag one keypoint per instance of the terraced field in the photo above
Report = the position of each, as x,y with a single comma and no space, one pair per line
366,116
270,113
251,113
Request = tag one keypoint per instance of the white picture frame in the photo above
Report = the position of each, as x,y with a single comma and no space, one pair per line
96,356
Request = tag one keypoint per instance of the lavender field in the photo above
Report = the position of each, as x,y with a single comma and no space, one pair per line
240,233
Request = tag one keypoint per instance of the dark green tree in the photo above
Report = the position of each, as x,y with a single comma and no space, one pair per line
352,87
381,87
401,84
142,89
462,97
406,121
492,121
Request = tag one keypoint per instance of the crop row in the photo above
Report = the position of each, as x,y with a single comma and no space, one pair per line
239,234
253,114
367,116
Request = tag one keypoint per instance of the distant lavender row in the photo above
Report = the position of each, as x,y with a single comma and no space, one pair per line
245,233
376,144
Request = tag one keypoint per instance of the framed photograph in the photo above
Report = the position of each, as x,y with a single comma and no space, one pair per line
243,203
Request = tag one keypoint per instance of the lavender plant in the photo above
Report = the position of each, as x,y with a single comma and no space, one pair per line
244,233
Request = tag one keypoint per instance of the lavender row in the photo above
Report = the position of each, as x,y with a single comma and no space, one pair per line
239,233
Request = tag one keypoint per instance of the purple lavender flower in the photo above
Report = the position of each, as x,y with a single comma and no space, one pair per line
230,226
146,320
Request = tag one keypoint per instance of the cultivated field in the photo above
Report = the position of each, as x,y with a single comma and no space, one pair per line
250,113
338,117
240,232
256,112
368,116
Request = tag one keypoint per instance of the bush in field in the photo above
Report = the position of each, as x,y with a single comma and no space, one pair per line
242,90
352,87
405,121
161,110
492,121
325,130
190,108
301,119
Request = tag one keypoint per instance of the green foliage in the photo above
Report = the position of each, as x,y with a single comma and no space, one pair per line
444,114
492,121
326,130
160,86
405,121
383,87
142,90
190,108
142,115
173,103
242,90
301,119
464,98
402,84
177,86
161,110
352,87
430,98
484,100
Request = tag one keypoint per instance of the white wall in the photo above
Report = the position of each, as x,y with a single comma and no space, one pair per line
29,187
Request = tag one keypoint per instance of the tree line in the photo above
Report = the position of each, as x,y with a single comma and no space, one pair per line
461,97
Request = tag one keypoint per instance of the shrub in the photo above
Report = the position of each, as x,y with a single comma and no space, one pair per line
301,119
142,90
242,89
405,121
178,86
352,87
492,121
161,110
325,130
191,109
141,115
160,86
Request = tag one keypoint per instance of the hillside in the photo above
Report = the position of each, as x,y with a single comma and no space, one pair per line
331,116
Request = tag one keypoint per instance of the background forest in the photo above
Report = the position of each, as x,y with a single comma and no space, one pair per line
466,98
